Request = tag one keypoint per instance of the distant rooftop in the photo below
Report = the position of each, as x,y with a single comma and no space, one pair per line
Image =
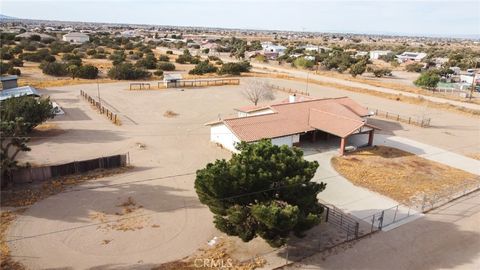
17,92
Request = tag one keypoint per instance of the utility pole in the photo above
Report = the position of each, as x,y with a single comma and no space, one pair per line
306,89
98,92
473,87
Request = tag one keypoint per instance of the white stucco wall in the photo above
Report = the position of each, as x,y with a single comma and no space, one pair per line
287,140
259,112
221,134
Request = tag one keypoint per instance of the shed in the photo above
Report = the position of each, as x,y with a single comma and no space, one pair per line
171,78
9,82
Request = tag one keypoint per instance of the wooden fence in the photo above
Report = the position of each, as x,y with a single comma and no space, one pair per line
36,174
421,122
199,83
101,109
289,90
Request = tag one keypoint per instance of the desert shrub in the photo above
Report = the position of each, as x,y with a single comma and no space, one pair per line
16,62
50,58
158,73
213,58
91,52
303,63
380,72
169,52
165,66
54,68
163,58
202,68
414,67
16,50
149,62
87,72
4,67
14,71
99,56
181,59
37,56
235,68
126,71
428,79
5,54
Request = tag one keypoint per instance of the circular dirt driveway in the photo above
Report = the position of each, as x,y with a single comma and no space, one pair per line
131,225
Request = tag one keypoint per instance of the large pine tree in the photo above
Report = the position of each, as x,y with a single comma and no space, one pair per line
265,190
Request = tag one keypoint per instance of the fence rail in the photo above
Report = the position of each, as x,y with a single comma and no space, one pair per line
289,90
101,109
421,122
36,174
199,83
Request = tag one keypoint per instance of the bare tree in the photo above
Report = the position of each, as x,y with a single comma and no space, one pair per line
258,90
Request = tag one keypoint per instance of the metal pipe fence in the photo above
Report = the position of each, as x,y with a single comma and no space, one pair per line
199,83
289,90
417,121
101,109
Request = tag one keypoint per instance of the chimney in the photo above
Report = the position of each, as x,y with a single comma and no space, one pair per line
292,98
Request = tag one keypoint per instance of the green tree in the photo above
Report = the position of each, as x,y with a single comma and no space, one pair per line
358,68
265,190
18,117
166,66
202,68
234,68
54,69
126,71
428,79
87,72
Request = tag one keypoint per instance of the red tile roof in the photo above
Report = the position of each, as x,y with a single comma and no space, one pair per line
338,116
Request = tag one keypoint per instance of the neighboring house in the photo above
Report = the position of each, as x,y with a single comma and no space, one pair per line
374,55
411,56
269,48
18,92
76,38
361,54
315,48
293,121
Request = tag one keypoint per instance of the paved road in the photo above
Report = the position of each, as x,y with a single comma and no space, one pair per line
446,238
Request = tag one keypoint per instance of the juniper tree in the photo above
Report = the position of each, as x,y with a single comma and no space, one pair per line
265,190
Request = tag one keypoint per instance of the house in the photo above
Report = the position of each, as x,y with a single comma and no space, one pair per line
269,48
29,34
374,55
293,121
9,82
411,56
76,38
315,48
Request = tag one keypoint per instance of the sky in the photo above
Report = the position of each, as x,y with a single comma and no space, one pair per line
427,17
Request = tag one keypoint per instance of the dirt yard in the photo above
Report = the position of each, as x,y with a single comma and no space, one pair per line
400,175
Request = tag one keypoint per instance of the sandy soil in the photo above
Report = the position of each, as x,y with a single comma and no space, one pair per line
446,238
59,231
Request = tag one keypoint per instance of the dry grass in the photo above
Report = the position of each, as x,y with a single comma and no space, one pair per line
46,83
219,254
170,114
7,217
131,217
399,175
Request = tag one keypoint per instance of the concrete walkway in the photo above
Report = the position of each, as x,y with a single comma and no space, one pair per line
428,152
357,201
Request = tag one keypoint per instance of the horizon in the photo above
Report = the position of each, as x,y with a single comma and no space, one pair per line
443,19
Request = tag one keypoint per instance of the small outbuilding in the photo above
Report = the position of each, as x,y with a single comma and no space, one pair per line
76,38
9,82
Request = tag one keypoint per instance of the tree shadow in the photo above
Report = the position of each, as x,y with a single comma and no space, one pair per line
82,136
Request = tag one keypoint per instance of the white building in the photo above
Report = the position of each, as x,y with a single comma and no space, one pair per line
411,56
76,38
374,55
290,122
270,48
